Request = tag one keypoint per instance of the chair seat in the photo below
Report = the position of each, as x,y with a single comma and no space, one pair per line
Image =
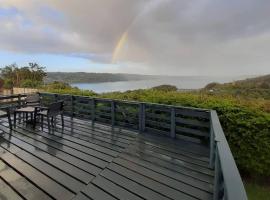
44,112
26,109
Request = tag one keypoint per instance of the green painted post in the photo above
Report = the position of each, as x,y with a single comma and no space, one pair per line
172,122
212,146
93,110
113,112
217,180
141,117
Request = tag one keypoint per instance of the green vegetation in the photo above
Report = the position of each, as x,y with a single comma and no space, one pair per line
64,88
165,88
257,190
250,88
29,76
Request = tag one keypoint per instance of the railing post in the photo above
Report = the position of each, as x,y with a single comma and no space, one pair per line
172,122
212,146
217,181
113,112
141,117
19,100
55,97
93,110
72,106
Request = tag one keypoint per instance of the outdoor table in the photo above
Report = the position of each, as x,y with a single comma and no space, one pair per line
26,110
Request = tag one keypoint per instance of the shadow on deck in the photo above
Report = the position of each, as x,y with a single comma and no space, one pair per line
82,161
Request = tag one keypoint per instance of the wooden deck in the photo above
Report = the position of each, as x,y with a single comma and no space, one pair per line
83,161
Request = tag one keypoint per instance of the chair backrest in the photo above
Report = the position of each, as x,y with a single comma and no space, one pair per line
56,108
32,99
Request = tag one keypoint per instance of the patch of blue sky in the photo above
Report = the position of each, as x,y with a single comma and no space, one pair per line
53,62
8,12
51,14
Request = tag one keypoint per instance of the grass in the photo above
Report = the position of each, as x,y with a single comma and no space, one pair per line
257,191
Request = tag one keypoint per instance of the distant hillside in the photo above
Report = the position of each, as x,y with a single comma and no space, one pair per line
251,87
82,77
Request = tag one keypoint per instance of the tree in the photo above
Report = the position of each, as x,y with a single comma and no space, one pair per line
30,76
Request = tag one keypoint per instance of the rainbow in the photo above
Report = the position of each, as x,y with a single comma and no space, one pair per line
152,5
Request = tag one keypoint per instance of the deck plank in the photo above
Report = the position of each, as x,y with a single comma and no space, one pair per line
20,184
54,161
7,193
51,187
85,161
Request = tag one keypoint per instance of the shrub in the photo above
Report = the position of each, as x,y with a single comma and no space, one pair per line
165,88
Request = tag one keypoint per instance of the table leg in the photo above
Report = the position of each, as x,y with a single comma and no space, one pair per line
15,118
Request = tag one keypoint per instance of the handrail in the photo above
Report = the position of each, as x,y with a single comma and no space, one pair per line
227,173
132,102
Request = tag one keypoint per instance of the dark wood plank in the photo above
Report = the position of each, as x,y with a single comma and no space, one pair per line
145,182
172,174
115,189
7,193
178,163
56,174
177,185
172,167
81,196
96,193
54,161
60,147
48,185
92,169
63,141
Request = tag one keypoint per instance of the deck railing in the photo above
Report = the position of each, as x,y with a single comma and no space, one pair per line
228,183
193,124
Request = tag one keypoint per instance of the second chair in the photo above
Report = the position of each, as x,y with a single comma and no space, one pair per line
51,112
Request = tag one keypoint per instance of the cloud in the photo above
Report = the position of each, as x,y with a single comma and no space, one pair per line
203,37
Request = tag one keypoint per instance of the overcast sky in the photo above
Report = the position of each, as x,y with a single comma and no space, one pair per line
173,37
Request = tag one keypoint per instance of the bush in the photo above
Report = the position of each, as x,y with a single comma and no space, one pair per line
30,83
165,88
8,84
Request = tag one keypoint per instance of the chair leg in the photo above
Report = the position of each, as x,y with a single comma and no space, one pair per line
15,118
62,118
42,120
52,122
9,121
49,126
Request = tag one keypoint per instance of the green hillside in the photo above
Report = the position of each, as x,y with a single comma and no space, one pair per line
258,87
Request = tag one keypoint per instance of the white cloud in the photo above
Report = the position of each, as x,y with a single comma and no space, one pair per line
163,36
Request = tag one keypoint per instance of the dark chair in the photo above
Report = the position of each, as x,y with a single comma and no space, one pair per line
51,112
30,105
32,100
6,113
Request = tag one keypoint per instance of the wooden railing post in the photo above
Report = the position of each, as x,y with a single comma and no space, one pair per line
172,122
212,146
19,100
113,112
217,180
141,117
55,97
72,106
93,102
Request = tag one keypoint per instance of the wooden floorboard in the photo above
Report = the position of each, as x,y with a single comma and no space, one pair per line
83,161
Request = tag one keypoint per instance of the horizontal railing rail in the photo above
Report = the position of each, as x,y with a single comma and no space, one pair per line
174,121
228,183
